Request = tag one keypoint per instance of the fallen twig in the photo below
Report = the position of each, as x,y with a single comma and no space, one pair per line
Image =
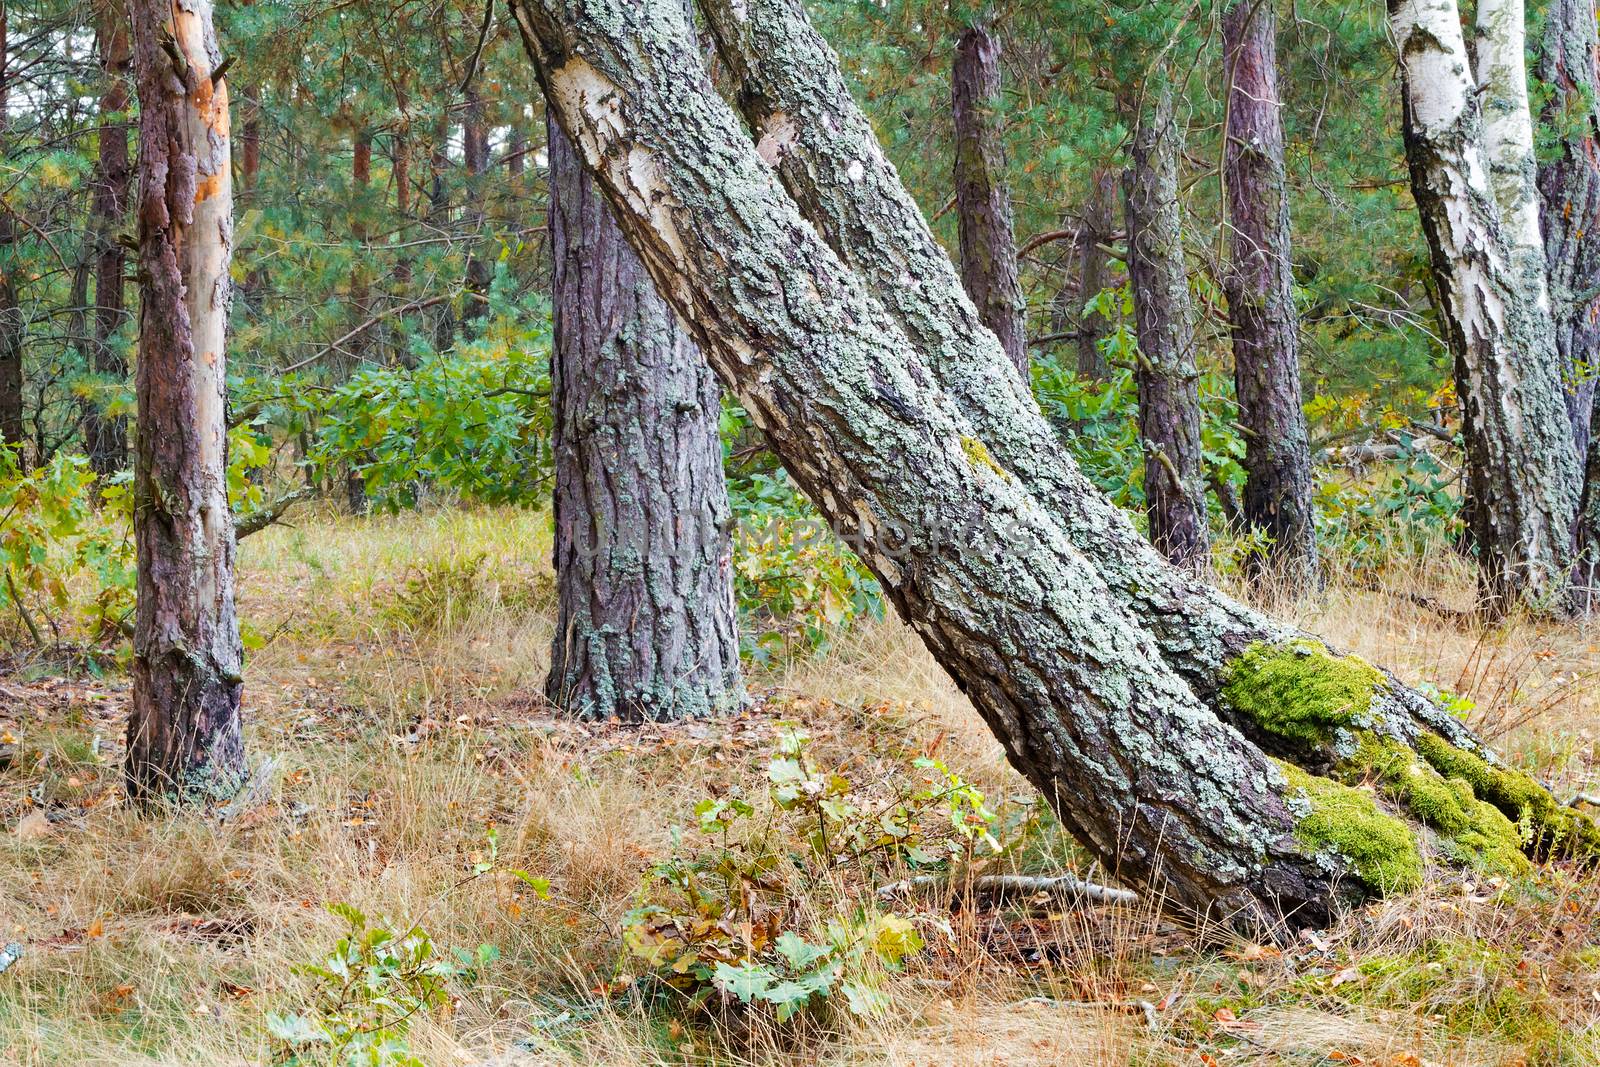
1064,885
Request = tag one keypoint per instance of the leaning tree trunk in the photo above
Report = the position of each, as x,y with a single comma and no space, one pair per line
1169,400
646,628
1260,288
106,436
983,201
794,98
11,428
1137,768
184,731
1094,271
1522,477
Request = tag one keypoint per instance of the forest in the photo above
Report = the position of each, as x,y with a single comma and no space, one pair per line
778,532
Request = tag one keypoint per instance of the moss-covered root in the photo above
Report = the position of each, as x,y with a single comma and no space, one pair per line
1545,826
1345,826
1471,831
1300,694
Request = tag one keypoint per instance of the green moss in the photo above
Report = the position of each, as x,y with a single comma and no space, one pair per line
1299,691
1517,796
978,455
1347,823
1474,831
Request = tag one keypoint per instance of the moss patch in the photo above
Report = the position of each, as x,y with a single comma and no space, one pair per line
1348,823
978,455
1299,691
1474,831
1517,796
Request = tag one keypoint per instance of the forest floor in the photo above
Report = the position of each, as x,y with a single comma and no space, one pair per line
394,676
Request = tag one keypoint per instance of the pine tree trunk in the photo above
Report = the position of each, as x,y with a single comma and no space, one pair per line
795,102
1569,187
355,483
1169,400
983,201
253,289
1522,476
106,437
184,731
647,628
795,99
1175,801
1094,271
11,429
1261,311
475,154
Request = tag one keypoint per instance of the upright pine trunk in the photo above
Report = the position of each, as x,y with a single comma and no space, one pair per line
106,437
646,628
1522,476
184,730
1169,399
1260,288
1094,271
11,430
355,483
983,202
475,155
1569,188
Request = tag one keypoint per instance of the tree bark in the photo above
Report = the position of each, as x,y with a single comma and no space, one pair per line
801,340
475,154
184,731
795,100
355,483
1077,692
1169,399
983,201
12,431
1261,311
106,437
646,628
1094,271
1522,477
1569,188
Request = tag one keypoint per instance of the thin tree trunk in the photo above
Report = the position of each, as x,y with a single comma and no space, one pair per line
795,99
355,483
1569,186
646,628
1261,311
1094,271
1076,691
106,437
1522,476
1169,399
254,287
983,201
12,431
475,140
184,731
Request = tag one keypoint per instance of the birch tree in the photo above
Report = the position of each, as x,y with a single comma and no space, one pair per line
1473,184
184,730
899,428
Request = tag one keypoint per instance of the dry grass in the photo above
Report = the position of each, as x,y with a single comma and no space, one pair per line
396,684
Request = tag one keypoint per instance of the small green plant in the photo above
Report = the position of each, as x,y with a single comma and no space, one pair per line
366,993
66,565
439,594
783,913
798,586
